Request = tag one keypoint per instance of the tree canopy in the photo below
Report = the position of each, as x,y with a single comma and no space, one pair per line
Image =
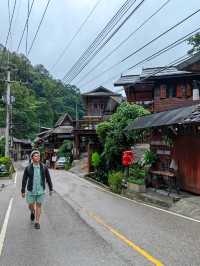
195,42
39,99
112,134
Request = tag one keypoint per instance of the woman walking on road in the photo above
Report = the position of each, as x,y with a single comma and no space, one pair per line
35,176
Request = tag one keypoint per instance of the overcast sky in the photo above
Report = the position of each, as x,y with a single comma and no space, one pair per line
64,17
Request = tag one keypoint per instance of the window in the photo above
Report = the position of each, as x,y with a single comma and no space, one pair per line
188,90
172,91
163,91
179,91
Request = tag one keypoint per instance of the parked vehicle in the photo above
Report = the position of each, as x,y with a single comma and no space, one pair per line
60,163
3,168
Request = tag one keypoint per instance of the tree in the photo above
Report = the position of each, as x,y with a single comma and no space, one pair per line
112,132
195,42
40,99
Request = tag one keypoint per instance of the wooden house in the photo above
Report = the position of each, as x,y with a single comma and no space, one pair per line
175,134
101,101
160,88
99,104
53,138
20,149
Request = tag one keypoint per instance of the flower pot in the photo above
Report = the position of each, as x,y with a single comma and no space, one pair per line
136,188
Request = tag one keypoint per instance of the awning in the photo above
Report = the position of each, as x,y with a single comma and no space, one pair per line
190,114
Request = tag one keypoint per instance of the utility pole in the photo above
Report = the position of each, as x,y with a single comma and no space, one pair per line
7,133
76,115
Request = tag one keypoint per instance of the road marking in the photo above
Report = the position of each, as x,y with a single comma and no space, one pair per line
124,239
5,224
140,203
15,178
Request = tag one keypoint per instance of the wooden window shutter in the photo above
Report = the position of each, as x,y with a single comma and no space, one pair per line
179,91
189,90
163,91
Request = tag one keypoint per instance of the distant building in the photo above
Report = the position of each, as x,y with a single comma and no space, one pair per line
164,88
101,101
21,149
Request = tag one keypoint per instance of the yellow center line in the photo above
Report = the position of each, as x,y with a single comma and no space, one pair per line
124,239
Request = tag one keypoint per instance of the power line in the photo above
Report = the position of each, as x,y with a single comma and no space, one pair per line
123,42
145,45
101,36
75,35
10,23
159,52
171,64
25,26
109,38
9,17
9,30
40,24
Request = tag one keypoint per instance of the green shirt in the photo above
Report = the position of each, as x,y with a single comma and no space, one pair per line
37,184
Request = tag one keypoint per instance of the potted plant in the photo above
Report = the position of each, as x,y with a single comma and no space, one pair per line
136,180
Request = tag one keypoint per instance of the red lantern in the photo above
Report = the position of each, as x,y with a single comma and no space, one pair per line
128,158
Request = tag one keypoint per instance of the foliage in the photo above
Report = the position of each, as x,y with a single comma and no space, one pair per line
149,158
65,148
67,166
2,146
112,133
103,129
195,42
39,99
137,171
138,181
115,181
96,160
6,161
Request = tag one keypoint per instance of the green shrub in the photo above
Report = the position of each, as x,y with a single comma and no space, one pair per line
65,148
67,166
149,157
102,176
96,160
115,181
137,171
2,146
6,161
138,181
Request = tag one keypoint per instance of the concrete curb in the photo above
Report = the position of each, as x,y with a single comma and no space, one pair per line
140,197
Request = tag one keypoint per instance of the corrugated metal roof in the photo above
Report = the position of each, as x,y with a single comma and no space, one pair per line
100,91
149,72
127,80
22,141
161,71
62,118
190,114
62,130
194,59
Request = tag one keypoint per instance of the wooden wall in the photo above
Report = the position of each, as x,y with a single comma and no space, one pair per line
187,154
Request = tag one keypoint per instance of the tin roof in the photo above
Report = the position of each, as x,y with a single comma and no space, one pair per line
100,91
149,73
62,119
127,80
161,71
22,141
192,60
183,115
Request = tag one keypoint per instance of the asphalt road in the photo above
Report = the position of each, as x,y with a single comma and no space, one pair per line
83,224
